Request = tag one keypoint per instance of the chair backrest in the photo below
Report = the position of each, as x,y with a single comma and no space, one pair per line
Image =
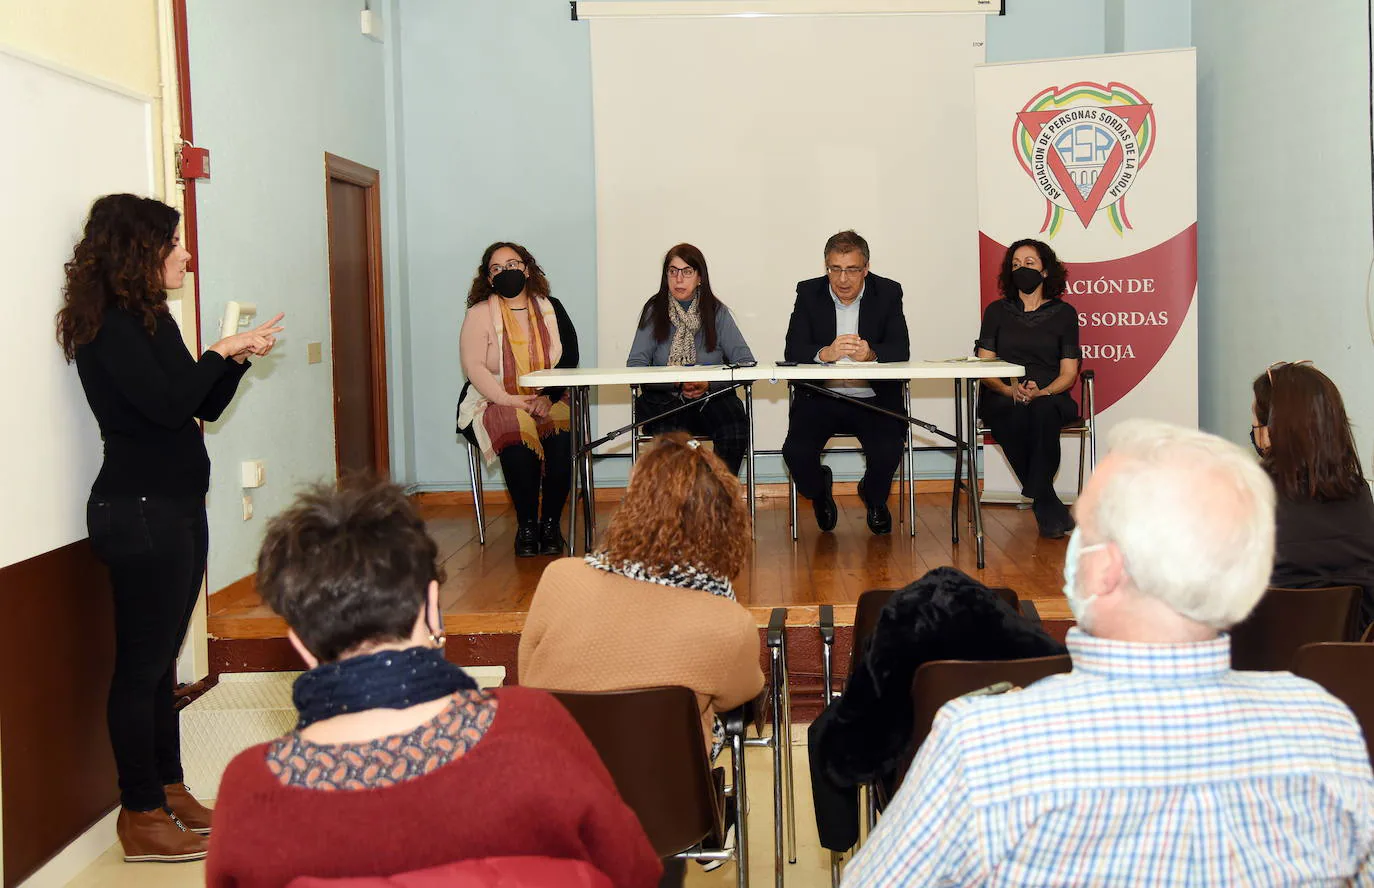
1286,619
1347,671
939,681
651,742
1368,636
866,612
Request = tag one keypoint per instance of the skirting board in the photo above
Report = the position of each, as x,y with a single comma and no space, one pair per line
80,853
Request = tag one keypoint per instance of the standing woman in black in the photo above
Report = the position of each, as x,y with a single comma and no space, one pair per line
1033,326
146,512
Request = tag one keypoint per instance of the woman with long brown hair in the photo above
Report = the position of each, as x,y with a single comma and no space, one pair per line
146,512
684,324
514,326
1325,511
654,605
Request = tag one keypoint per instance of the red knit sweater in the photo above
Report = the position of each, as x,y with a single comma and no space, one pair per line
533,785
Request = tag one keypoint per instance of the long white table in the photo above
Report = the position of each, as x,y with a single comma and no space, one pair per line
580,380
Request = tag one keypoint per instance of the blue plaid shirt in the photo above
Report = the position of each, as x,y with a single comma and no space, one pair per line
1148,765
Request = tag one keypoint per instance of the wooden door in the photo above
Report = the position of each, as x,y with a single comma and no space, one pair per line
357,318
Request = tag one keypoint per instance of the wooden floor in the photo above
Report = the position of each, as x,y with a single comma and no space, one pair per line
488,590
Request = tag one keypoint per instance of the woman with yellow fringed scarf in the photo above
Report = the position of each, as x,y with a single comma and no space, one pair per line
512,327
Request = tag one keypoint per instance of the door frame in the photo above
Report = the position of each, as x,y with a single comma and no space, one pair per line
345,170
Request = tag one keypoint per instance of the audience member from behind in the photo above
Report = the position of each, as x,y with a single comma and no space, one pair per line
1152,763
1325,512
654,605
399,762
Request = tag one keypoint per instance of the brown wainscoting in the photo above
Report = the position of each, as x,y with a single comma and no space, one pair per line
57,772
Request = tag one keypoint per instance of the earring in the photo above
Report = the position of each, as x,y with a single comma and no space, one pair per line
697,291
438,641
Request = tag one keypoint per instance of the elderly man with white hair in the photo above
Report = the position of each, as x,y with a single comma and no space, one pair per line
1152,763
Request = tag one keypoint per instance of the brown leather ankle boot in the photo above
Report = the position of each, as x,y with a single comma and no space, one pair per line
156,836
189,811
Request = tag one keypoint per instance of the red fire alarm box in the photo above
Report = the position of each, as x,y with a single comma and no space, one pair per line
193,162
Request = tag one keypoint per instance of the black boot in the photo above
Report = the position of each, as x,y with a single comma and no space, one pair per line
551,537
527,539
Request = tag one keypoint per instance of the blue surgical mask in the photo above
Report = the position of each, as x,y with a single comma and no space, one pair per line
1079,606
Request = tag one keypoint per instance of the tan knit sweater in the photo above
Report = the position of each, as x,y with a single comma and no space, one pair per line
590,630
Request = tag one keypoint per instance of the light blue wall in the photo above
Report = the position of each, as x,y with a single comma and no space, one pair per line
498,144
275,86
496,100
1284,239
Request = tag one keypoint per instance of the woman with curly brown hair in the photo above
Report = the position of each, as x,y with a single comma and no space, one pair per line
654,605
1325,532
1033,326
146,512
513,327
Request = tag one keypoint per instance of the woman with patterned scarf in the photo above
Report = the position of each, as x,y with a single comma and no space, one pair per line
684,325
512,327
654,605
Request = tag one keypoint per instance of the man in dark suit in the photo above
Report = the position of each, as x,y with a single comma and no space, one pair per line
846,316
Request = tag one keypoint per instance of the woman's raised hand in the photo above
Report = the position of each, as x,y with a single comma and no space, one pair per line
258,341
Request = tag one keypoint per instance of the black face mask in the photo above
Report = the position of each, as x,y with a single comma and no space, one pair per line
1027,279
509,283
1254,443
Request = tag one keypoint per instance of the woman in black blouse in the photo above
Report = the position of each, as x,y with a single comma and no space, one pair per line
146,512
1325,514
1033,326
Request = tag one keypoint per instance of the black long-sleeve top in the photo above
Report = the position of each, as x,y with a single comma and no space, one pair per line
146,393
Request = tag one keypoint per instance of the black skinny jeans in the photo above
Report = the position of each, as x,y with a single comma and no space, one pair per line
155,548
525,476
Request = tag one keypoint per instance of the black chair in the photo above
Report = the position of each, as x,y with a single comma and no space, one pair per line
651,743
1286,619
639,436
906,504
873,796
656,753
1346,669
1084,428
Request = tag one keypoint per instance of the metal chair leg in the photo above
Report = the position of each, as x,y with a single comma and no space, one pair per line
741,791
827,630
789,786
791,485
478,505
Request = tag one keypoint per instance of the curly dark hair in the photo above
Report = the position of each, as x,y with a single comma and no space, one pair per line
117,263
535,282
1312,453
348,568
683,508
656,309
1056,275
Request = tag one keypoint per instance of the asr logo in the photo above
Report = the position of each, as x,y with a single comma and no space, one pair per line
1083,145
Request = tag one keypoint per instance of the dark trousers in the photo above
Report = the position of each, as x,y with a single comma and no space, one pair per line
721,419
526,476
1029,436
816,418
155,549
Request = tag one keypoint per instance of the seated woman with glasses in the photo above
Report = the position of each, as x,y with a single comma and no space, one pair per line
1033,326
1325,513
512,327
399,761
684,325
654,605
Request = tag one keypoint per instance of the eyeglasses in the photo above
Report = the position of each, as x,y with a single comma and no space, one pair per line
513,265
684,273
849,271
1278,365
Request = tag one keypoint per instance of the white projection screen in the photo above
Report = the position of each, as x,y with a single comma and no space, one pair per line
756,139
